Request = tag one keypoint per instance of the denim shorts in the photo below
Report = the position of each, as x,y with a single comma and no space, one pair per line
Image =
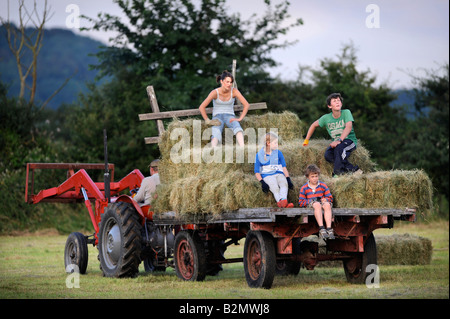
225,119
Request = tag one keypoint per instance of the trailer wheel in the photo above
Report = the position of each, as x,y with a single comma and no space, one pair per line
355,268
259,259
119,241
190,257
76,253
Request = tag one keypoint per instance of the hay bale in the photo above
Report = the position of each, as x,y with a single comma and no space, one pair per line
191,162
213,192
383,189
298,157
397,249
403,249
287,124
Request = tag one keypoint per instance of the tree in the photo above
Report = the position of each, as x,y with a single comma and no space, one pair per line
375,121
180,48
23,41
19,40
427,144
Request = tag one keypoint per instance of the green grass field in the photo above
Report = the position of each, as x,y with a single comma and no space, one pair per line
32,266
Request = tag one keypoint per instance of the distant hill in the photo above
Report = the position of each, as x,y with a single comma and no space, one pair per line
64,54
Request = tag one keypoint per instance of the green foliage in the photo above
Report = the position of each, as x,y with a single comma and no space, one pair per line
179,48
109,107
427,135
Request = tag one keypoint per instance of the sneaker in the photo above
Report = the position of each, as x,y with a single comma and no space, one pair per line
330,233
358,172
323,234
290,205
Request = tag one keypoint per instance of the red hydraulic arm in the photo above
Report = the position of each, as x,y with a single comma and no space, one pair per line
80,187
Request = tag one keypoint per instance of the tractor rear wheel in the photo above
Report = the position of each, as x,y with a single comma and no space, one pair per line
76,253
189,256
119,241
259,259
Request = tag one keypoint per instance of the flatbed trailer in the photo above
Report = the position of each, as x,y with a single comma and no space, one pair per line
281,240
278,241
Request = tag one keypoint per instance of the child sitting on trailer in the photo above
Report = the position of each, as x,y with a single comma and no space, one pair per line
317,195
270,170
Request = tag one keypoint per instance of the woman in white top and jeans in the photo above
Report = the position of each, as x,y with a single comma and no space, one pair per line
223,109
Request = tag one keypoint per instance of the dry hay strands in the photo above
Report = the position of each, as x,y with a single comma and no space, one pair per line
298,157
203,161
287,124
195,133
403,249
212,193
182,163
384,189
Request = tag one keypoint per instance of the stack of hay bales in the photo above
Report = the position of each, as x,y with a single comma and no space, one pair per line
198,180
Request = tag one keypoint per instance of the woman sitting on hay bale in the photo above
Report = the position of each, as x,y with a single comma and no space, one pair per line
223,109
271,172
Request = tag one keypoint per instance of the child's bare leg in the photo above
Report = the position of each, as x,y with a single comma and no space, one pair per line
327,213
318,213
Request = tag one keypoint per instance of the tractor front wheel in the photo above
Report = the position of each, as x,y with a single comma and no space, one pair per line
119,241
76,253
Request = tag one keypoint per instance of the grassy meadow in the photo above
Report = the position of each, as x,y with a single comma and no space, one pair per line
32,267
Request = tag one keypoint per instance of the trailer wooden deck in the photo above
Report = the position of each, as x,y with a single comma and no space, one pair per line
270,215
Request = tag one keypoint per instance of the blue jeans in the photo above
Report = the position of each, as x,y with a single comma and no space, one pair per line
338,156
225,119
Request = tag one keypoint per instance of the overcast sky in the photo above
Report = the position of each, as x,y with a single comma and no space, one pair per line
392,37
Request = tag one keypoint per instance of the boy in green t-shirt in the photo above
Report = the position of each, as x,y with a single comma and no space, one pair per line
339,124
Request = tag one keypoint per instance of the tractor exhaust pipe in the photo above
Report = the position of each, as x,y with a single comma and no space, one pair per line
106,175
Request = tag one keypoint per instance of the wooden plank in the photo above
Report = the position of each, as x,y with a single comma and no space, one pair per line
268,214
194,112
155,108
233,73
152,140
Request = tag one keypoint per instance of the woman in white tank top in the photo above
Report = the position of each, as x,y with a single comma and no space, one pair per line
223,109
